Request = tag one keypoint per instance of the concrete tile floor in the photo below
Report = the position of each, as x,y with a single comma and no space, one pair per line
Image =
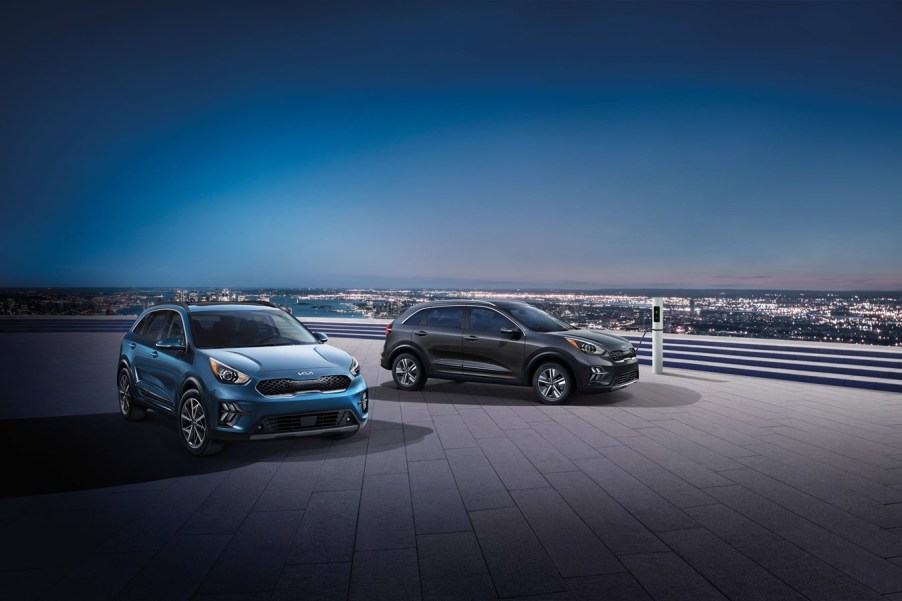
683,486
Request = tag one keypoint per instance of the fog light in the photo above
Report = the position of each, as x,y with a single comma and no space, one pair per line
229,413
364,402
597,374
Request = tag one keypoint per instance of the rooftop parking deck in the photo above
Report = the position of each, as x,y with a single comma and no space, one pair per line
690,485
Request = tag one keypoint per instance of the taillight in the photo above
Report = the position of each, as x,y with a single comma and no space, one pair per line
387,329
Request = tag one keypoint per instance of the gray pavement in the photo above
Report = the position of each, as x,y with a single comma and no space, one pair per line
684,486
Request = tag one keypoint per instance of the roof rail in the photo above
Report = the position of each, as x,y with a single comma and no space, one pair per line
209,303
458,301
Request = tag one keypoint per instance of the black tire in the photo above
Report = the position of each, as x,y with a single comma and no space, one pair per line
407,371
193,425
128,408
552,383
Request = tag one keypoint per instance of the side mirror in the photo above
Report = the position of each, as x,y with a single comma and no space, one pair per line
170,344
512,332
321,337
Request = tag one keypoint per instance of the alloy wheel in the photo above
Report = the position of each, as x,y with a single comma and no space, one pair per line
125,393
552,383
193,422
406,372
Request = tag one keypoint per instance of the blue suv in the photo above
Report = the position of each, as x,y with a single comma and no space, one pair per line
238,371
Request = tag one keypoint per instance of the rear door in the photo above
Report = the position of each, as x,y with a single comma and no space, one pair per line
146,354
440,334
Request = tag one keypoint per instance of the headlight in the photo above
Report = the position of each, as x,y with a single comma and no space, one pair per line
227,374
588,347
355,367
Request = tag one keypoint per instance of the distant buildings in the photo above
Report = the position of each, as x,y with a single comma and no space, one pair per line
856,318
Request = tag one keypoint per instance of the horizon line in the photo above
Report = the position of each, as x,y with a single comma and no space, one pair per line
520,289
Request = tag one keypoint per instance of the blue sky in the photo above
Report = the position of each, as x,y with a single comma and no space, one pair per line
504,144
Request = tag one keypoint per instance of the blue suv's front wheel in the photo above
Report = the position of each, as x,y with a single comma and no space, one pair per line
194,427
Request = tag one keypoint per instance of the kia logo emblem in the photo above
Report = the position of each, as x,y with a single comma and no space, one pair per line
305,373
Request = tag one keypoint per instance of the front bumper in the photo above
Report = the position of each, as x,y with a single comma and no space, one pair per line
305,414
244,436
606,375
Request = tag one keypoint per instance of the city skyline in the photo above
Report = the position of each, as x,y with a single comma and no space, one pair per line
736,146
861,318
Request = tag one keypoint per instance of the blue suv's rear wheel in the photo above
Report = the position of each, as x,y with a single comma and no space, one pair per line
194,425
128,408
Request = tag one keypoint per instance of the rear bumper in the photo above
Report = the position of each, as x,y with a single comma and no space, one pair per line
383,360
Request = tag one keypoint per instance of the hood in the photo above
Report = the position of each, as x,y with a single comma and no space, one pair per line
319,358
608,341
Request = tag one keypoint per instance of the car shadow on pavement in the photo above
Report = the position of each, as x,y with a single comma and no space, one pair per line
78,452
640,394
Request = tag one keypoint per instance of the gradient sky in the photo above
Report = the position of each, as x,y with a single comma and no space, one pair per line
505,144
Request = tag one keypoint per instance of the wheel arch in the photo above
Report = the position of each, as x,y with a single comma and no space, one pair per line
408,348
546,356
123,364
191,383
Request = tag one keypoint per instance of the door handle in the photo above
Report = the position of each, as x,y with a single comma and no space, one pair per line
471,337
154,354
421,333
131,345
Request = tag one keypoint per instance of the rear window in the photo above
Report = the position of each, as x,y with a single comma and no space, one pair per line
142,325
445,317
417,318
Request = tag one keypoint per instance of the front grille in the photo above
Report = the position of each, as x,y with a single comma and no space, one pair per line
625,377
621,355
278,424
285,386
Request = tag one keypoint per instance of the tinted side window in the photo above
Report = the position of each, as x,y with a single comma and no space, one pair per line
155,326
486,320
445,317
173,327
142,325
417,318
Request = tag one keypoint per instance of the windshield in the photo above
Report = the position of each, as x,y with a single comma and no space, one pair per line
538,320
241,329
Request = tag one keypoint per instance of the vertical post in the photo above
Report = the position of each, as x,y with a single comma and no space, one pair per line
657,335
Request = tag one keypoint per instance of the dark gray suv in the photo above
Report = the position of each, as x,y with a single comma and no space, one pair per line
505,342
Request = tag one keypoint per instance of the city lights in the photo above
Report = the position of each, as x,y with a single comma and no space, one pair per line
859,318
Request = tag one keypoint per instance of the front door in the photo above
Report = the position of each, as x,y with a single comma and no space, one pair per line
492,345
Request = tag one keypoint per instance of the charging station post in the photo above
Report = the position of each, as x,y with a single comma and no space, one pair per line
657,335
